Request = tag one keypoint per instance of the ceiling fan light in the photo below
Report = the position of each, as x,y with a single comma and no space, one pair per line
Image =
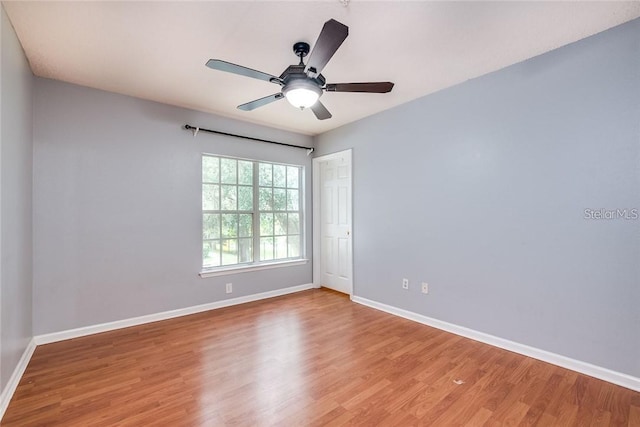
302,95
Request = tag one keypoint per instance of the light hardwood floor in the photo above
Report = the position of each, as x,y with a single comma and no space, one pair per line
311,358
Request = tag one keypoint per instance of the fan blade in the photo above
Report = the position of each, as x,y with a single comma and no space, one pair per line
320,111
371,87
249,106
331,37
228,67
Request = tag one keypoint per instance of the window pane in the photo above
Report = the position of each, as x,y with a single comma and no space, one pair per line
245,250
266,224
229,251
266,177
266,248
210,197
211,253
228,171
210,169
245,198
279,176
294,246
266,199
210,226
279,199
229,197
294,224
280,224
293,180
280,247
229,225
245,172
292,200
245,225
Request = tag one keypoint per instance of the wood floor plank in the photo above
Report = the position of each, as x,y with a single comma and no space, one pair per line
634,416
312,358
480,418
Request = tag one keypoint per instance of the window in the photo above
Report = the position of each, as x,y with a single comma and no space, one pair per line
251,212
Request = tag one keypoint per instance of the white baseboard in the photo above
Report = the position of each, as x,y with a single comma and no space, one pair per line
134,321
605,374
10,388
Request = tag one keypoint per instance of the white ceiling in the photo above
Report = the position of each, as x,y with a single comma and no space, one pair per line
156,50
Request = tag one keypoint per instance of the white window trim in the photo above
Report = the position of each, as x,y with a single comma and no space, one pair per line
267,264
235,269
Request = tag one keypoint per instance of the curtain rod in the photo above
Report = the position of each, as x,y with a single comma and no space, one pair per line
197,129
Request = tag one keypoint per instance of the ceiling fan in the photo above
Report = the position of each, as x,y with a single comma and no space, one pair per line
302,84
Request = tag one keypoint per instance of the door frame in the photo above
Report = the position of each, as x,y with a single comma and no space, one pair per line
317,208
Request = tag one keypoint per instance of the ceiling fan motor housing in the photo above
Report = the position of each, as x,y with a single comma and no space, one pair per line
296,72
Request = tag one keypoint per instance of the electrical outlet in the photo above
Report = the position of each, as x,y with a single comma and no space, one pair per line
229,288
425,288
405,283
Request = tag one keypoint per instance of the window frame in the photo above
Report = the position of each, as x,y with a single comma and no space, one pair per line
255,264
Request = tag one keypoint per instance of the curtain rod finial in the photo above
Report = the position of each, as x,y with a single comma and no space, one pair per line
195,130
310,150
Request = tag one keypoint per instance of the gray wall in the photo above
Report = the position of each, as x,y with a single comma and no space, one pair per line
117,219
15,201
480,190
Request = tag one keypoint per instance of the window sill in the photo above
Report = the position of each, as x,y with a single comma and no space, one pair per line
247,268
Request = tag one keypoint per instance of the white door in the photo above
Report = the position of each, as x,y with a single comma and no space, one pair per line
332,222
